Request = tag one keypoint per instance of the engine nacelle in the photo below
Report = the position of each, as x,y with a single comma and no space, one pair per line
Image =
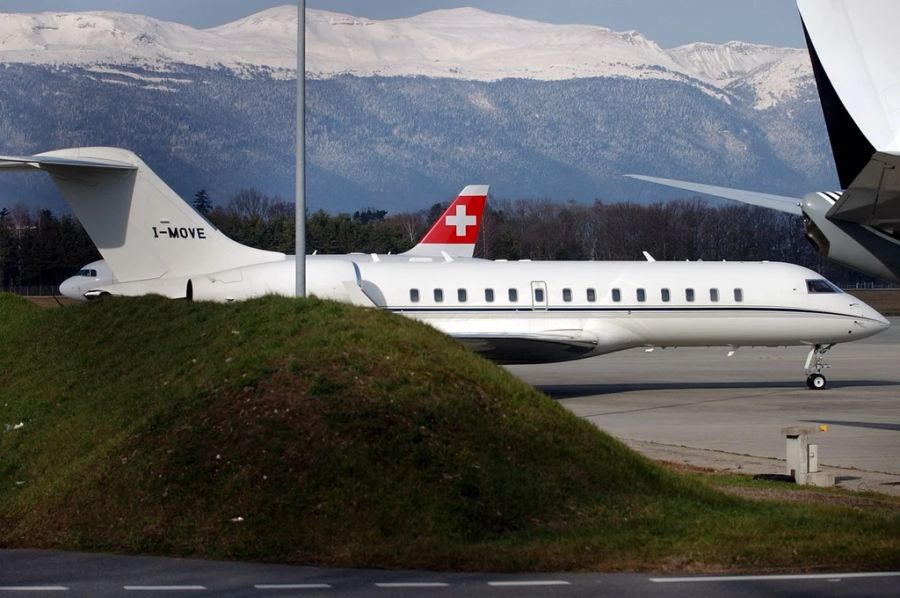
334,279
848,243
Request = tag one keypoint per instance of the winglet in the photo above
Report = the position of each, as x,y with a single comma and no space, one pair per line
456,231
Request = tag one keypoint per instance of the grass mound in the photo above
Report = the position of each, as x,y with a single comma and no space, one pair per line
310,432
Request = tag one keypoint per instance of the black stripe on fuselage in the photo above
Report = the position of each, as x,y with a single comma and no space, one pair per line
601,310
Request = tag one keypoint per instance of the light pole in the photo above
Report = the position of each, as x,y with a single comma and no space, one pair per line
300,216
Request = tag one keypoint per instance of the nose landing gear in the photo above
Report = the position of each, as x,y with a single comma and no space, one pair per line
814,378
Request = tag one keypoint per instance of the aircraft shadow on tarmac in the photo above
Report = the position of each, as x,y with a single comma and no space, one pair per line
851,424
570,391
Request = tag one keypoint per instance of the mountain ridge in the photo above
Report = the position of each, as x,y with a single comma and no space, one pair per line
732,114
462,43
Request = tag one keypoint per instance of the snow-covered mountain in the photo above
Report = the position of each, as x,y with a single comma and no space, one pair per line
102,38
463,43
401,113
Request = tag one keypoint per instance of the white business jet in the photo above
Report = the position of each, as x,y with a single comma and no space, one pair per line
514,312
453,234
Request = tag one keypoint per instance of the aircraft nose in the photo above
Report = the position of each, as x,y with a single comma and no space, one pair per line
872,319
69,289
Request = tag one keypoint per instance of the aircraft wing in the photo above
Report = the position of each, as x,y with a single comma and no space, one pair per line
524,348
782,203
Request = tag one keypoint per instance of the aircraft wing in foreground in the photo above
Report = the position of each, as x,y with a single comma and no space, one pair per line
790,205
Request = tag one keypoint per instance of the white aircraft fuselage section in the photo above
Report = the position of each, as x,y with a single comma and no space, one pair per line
592,308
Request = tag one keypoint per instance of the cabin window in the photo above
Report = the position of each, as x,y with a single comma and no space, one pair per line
567,295
714,295
489,295
616,295
641,295
591,295
461,295
665,295
738,295
539,295
414,295
821,286
439,295
513,295
689,295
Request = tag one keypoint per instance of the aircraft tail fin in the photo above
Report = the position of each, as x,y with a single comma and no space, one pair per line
456,231
141,227
852,47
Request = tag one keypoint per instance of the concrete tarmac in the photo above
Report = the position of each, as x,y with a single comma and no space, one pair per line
699,406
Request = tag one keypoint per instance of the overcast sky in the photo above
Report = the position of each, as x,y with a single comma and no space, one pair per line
668,22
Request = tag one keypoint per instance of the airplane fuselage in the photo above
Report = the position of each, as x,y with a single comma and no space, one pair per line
510,310
530,312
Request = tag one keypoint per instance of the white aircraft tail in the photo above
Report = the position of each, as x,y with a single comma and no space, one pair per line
853,50
141,227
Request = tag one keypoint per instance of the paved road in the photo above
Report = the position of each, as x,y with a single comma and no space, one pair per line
704,408
73,574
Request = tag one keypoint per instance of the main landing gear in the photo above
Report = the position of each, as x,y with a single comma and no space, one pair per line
814,378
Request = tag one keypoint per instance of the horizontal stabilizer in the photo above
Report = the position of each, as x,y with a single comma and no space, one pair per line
782,203
43,162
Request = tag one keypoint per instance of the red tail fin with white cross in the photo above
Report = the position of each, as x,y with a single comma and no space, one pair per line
456,231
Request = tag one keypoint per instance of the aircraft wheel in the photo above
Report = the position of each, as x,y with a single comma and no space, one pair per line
816,381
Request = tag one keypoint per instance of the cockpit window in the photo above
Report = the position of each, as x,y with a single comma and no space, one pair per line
821,285
83,273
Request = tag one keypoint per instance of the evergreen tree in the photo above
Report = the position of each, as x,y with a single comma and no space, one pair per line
202,203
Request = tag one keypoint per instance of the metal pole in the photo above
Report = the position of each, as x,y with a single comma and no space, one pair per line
300,216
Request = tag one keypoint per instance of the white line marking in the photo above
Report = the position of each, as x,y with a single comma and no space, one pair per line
539,582
34,589
413,584
162,588
292,586
828,576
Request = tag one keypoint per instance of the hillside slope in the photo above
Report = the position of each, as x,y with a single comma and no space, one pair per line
310,432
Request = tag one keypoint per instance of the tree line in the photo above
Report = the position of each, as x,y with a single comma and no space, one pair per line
42,248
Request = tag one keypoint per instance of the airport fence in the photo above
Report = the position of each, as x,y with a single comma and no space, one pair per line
31,290
875,286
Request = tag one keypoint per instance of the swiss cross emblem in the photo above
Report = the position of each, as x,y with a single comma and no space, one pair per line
461,220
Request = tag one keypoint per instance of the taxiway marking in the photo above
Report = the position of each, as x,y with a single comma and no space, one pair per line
537,582
292,586
34,589
828,576
413,584
162,588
